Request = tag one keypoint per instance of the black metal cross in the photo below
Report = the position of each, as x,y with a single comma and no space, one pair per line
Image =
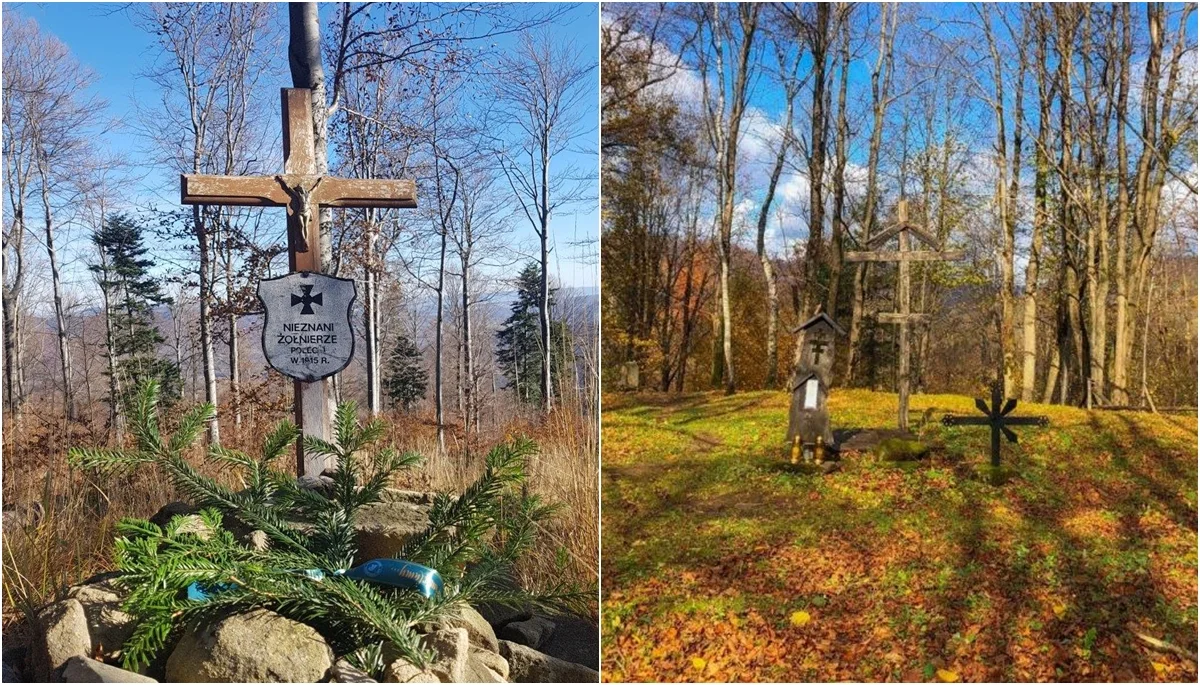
818,346
308,299
998,418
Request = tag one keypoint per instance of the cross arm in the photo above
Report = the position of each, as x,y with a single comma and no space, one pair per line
906,256
1027,421
240,191
966,421
270,191
358,192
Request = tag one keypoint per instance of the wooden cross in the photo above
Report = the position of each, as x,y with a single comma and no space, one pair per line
998,418
303,192
903,291
818,346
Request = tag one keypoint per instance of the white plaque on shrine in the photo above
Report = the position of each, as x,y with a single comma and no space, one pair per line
307,333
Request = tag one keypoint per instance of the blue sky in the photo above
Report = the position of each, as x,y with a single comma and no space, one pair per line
104,38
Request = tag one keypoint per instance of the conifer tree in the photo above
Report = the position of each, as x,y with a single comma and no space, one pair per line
473,540
518,341
132,293
406,376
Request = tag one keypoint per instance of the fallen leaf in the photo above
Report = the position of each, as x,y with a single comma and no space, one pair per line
800,618
947,676
698,663
1159,668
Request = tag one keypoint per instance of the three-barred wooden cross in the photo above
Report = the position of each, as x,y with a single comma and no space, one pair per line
905,316
303,192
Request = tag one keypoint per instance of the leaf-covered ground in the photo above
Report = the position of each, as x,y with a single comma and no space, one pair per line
718,565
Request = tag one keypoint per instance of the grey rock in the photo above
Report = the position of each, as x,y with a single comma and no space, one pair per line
193,524
11,665
63,634
483,658
575,639
259,646
170,510
413,497
534,633
344,672
500,615
256,540
81,669
23,515
322,483
383,528
401,671
531,666
479,631
108,626
452,647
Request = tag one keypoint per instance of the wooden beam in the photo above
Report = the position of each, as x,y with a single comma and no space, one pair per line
268,191
239,191
894,231
908,256
900,317
359,192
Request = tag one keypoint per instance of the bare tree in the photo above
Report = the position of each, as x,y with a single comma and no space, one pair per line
540,89
881,98
53,119
726,54
789,67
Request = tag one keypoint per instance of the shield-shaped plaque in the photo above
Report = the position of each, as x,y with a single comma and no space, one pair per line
307,333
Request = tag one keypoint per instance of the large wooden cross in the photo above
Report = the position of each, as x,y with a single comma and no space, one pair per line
303,192
905,316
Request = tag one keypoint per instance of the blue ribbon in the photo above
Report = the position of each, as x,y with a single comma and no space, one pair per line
393,572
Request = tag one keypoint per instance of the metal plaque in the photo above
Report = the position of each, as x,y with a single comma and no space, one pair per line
307,333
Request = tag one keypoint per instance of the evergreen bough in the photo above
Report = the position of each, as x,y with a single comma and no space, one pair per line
473,540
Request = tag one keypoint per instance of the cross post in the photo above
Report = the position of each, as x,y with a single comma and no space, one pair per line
303,191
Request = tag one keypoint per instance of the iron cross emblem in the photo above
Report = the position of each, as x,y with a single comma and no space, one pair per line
307,299
998,418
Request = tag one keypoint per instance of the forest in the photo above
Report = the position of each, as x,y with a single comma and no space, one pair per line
748,148
475,314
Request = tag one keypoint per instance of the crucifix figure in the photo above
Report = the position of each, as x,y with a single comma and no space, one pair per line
905,316
998,418
302,191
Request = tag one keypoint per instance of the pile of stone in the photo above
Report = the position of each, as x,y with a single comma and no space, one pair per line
78,638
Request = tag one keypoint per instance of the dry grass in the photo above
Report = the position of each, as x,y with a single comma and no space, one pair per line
73,538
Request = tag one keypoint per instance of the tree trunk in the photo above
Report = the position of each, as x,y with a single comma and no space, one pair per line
819,126
206,343
468,356
1119,393
763,257
60,317
439,408
881,79
235,373
839,175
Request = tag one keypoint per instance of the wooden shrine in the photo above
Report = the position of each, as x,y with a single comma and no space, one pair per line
905,317
809,435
